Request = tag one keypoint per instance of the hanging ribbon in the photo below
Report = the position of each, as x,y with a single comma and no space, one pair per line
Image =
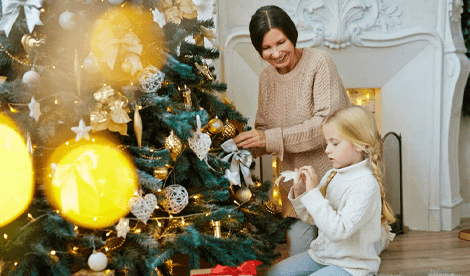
65,179
241,161
11,10
130,45
288,175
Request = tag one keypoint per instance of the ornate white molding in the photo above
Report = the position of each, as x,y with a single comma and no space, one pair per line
455,8
340,23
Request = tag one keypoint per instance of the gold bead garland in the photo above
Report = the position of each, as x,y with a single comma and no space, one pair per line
22,62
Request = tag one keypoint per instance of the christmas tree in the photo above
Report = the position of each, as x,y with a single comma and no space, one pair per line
117,150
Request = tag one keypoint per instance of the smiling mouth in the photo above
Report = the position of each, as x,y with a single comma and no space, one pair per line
282,58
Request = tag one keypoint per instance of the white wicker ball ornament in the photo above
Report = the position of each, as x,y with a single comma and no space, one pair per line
116,2
176,198
97,261
151,79
32,77
67,20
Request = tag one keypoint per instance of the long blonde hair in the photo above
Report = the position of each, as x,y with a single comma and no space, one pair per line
357,125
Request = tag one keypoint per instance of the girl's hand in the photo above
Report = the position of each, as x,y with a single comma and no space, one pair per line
251,139
299,187
309,177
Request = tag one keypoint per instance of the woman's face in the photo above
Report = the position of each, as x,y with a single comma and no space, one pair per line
279,51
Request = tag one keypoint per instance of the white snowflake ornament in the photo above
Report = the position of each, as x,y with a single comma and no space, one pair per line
123,228
35,109
81,131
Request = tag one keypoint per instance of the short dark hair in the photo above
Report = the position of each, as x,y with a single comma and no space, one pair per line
267,18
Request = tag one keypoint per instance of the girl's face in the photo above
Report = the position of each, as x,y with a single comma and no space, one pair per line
279,51
341,152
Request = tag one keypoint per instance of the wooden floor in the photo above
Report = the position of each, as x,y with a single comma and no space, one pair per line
422,252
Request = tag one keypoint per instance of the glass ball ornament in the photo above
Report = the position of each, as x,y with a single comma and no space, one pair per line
97,261
243,194
90,64
116,2
32,77
215,125
67,20
160,173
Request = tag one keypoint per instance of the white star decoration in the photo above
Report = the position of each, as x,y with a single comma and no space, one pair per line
233,177
82,131
122,228
35,109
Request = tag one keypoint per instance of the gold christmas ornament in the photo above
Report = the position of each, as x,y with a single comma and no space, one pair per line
270,207
229,130
30,42
160,173
204,69
176,10
187,96
174,145
243,194
138,127
215,125
217,230
110,111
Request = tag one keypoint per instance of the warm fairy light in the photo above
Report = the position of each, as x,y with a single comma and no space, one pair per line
75,228
196,197
140,107
93,139
42,10
159,224
107,234
57,211
30,216
16,263
95,219
182,221
229,216
12,109
368,96
53,67
138,230
5,236
53,252
67,143
171,216
159,190
56,101
106,248
75,248
359,101
156,206
75,102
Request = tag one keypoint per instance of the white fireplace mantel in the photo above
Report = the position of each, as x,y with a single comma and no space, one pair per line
413,50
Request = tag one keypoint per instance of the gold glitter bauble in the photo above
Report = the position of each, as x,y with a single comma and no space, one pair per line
215,125
174,145
243,194
160,173
229,131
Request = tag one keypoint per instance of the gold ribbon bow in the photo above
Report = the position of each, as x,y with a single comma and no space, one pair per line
241,161
176,10
65,178
110,111
11,10
130,45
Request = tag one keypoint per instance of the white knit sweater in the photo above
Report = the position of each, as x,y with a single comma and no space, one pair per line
348,219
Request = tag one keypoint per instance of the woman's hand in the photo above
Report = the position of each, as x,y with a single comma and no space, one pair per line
299,187
309,176
251,139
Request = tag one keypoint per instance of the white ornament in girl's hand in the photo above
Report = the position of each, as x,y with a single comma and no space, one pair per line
97,261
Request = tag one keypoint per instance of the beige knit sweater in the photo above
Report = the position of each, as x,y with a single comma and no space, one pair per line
291,108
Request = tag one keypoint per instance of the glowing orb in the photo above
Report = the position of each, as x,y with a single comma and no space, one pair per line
91,183
16,173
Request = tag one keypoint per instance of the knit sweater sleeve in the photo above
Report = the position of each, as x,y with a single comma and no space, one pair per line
357,211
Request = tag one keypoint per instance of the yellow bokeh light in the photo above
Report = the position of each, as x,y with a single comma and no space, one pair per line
91,183
16,171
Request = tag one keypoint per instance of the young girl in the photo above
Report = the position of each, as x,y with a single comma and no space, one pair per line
348,206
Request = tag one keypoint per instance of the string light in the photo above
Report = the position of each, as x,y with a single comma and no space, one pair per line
5,236
53,252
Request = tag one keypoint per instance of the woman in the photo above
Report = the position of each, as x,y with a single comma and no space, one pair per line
296,91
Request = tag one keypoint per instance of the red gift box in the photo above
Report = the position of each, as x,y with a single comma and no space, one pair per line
247,268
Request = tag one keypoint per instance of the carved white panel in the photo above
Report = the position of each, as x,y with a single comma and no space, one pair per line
340,23
455,9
